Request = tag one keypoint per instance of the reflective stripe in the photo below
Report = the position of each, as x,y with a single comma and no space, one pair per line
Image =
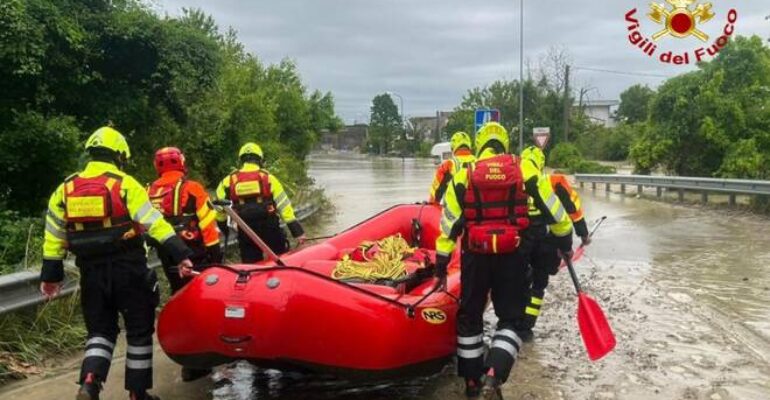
138,364
56,220
446,227
283,204
475,353
155,216
559,214
443,253
532,311
53,230
139,349
510,334
536,301
503,345
449,215
99,353
467,340
208,219
281,197
551,201
100,340
143,210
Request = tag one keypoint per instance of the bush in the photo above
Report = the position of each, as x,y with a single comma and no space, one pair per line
20,242
567,156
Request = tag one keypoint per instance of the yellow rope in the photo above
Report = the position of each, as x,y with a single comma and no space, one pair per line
387,263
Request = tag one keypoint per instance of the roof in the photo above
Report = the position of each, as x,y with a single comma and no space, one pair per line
599,103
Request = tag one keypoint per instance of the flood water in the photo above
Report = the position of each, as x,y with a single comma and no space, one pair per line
686,288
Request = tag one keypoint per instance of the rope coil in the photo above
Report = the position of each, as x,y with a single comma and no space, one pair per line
382,259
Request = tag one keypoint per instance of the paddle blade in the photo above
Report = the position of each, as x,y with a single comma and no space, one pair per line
594,328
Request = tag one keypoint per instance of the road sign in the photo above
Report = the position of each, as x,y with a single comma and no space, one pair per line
541,136
484,115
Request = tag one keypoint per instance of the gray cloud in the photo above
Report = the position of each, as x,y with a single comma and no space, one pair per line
432,51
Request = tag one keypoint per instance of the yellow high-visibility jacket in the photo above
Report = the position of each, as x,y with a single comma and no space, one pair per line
544,205
445,172
137,202
281,199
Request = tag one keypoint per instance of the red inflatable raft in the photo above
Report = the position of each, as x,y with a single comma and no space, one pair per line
298,317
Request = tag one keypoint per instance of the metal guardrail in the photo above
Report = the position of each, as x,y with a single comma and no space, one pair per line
729,186
21,289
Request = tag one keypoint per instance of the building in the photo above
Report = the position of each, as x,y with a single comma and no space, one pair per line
601,112
351,137
431,128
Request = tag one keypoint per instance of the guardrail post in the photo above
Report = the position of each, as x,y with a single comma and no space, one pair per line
659,191
593,186
704,197
731,200
639,190
582,184
681,195
607,187
622,188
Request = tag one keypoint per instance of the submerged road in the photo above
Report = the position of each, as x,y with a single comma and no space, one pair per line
687,290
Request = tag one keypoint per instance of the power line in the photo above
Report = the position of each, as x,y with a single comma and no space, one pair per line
610,71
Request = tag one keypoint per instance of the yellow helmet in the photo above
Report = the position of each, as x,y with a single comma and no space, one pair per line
460,139
110,139
489,132
535,155
250,148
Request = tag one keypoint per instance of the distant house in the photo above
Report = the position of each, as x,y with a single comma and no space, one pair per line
351,137
600,111
431,128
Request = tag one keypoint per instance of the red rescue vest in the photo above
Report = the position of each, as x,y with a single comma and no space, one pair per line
251,194
177,206
495,206
96,214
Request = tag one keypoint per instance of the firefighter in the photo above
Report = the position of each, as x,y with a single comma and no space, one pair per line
99,215
550,232
185,204
462,153
486,204
259,199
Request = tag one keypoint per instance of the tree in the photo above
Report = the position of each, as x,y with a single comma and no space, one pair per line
635,103
385,123
714,121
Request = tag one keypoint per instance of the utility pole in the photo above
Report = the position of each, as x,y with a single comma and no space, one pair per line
566,104
521,76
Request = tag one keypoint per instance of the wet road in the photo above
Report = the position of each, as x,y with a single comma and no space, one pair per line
687,290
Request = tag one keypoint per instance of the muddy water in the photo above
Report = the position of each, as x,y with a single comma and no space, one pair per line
686,289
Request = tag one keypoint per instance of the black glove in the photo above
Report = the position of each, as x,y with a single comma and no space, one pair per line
53,271
442,262
215,254
564,244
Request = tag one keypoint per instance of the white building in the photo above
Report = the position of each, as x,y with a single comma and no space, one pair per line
600,111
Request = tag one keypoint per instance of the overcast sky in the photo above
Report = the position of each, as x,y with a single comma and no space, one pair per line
432,51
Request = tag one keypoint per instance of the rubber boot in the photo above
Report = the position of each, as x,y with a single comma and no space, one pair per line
142,396
472,388
490,390
90,388
191,374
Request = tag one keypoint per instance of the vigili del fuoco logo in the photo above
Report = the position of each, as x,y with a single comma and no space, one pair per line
679,20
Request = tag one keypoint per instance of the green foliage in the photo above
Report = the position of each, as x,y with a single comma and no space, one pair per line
608,144
385,125
68,67
567,156
20,241
635,104
714,121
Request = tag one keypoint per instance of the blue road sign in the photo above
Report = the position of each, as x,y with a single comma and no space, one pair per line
484,115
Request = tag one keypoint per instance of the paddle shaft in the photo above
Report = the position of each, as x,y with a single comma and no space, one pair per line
253,236
593,229
572,273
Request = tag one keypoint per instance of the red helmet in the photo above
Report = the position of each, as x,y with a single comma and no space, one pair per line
169,159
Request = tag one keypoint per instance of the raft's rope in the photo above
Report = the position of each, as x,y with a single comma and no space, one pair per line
387,263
